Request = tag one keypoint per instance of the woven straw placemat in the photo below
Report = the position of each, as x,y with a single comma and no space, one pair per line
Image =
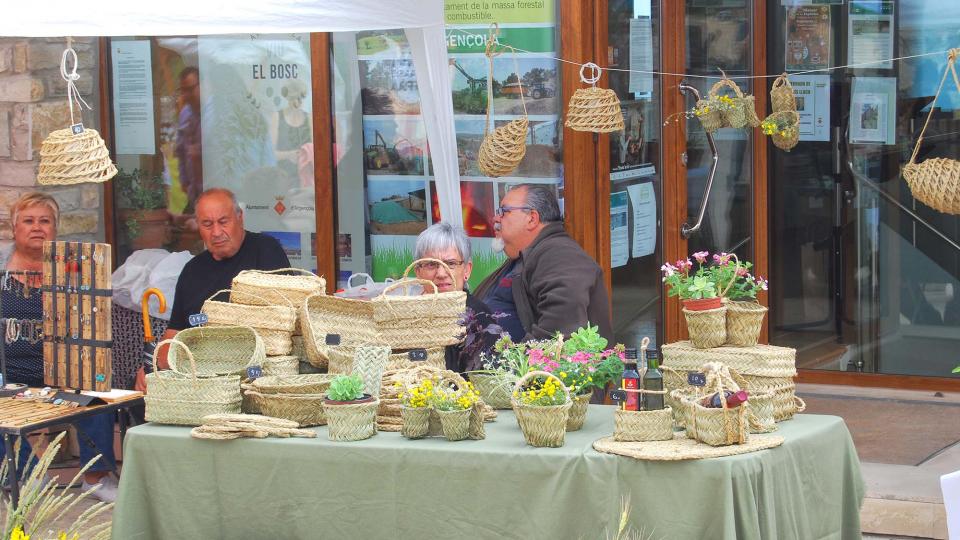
681,448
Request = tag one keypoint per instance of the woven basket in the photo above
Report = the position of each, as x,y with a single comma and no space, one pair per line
709,116
595,110
744,322
271,287
791,133
281,365
351,421
416,422
422,320
341,360
501,151
716,427
750,111
578,411
297,347
248,405
223,350
293,384
274,324
351,319
369,362
455,424
175,398
760,409
643,425
782,97
67,159
305,409
707,328
936,182
542,426
495,389
735,116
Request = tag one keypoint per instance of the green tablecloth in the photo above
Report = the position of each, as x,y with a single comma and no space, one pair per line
174,486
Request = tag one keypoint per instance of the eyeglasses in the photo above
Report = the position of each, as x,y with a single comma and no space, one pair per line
504,209
433,266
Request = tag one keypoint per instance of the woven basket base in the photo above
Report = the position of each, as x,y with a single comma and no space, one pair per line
681,448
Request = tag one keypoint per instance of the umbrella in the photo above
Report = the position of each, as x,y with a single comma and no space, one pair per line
149,342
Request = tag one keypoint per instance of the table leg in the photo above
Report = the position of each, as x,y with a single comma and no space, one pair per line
122,414
12,482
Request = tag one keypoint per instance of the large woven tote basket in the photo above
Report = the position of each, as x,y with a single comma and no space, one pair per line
322,315
218,350
175,398
936,181
273,323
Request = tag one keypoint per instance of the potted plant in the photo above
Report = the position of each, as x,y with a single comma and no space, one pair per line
142,208
542,405
586,364
415,408
454,407
701,293
744,313
351,414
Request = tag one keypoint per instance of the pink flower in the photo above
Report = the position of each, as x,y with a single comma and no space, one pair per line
591,369
668,269
722,258
701,256
580,357
742,272
764,284
536,357
684,264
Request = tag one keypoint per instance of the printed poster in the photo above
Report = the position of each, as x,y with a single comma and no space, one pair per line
813,104
873,110
641,55
643,198
133,97
619,232
870,34
485,12
808,38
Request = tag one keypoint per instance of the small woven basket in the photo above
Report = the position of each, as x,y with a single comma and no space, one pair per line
789,136
218,350
744,322
304,409
416,422
501,151
494,388
578,411
277,287
455,424
760,409
542,426
635,426
716,427
176,398
274,324
595,110
709,115
322,315
293,384
736,115
67,159
782,97
351,421
369,362
707,328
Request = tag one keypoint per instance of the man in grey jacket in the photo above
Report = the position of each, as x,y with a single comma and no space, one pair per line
553,284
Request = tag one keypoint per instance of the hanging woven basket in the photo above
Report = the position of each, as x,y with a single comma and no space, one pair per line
503,150
594,109
936,181
784,129
782,97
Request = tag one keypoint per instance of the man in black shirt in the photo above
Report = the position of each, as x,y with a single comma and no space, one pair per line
230,250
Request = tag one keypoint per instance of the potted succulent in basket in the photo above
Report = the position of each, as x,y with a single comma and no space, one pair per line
415,408
351,414
454,406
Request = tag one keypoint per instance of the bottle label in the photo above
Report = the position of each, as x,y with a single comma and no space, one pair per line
632,403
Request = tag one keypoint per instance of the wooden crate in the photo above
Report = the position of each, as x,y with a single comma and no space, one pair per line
77,299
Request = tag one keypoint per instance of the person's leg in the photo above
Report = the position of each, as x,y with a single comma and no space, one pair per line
96,437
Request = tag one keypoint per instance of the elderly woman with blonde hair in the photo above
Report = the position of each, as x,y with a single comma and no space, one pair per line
34,218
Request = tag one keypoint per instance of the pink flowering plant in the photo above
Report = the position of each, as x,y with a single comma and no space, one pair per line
720,274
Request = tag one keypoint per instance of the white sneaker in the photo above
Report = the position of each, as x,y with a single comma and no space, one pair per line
107,492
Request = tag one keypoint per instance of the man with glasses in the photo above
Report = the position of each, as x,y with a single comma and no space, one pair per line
552,283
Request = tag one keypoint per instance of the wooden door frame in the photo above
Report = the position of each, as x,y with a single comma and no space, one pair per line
324,182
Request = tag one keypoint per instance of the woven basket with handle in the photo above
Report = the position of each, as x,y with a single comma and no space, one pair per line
176,398
351,421
305,409
782,97
744,322
218,350
276,287
273,323
716,427
322,315
542,426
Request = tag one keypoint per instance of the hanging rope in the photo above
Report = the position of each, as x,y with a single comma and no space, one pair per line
71,76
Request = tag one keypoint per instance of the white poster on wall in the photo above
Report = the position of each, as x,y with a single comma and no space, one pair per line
813,104
619,232
643,198
873,110
641,55
133,97
870,34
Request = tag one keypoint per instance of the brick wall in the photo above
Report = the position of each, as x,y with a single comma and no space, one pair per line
33,103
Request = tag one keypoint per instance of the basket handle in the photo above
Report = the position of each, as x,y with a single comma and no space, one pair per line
801,404
715,89
250,295
951,60
526,378
291,269
171,342
406,283
733,279
782,80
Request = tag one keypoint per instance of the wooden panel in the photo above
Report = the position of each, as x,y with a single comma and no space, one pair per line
761,223
674,176
602,150
106,132
874,380
323,174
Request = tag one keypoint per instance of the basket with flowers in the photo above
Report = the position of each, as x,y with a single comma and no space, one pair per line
783,127
542,405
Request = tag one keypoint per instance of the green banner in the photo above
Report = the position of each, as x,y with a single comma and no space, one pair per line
499,11
474,40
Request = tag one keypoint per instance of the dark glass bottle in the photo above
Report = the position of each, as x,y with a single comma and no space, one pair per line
630,381
653,380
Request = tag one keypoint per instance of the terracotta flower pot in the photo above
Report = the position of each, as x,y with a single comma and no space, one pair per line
702,304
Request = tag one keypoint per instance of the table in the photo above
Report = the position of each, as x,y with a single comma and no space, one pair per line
174,486
45,415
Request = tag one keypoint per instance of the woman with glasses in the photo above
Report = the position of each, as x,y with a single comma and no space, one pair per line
444,242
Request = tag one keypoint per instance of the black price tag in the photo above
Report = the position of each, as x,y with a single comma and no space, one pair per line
76,129
333,339
417,355
254,372
618,395
696,378
197,319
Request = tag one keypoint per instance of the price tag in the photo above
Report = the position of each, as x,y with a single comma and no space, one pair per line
696,378
197,319
76,129
333,339
254,372
417,355
618,395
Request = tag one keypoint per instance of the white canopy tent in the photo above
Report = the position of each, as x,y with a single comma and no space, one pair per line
422,20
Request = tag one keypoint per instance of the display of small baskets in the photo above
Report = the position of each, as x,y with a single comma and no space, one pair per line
322,315
273,323
936,181
351,421
715,426
389,415
218,350
744,322
593,109
495,388
542,426
175,398
707,327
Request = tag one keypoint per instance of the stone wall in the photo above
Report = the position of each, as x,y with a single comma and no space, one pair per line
33,103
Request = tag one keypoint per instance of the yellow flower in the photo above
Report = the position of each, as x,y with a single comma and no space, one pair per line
18,534
563,374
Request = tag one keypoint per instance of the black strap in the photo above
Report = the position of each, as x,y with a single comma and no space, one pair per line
78,260
80,341
88,292
53,315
